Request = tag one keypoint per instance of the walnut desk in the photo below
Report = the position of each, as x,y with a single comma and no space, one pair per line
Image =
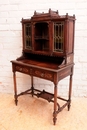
48,51
47,71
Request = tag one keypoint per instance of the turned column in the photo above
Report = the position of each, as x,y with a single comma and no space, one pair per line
32,88
55,104
15,88
70,91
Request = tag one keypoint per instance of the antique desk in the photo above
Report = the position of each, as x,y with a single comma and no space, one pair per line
48,51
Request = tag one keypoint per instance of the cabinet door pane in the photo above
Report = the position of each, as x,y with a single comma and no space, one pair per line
27,36
58,36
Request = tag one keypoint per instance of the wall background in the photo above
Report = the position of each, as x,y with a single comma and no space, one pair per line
11,13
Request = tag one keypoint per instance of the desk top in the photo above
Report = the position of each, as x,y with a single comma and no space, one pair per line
45,65
40,63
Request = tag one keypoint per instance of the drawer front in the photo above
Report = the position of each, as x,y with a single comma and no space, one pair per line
34,72
64,73
22,69
43,74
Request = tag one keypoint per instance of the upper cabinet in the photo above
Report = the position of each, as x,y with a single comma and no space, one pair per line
48,34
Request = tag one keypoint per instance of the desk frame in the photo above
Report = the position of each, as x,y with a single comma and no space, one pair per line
50,74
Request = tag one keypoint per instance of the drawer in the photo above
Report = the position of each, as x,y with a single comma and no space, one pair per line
43,74
22,69
64,73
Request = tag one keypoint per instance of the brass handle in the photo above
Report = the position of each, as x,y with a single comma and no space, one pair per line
42,75
20,69
30,71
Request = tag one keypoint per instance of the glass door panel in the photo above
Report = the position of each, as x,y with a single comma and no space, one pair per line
27,36
58,36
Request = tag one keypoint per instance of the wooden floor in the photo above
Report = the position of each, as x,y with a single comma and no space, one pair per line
36,114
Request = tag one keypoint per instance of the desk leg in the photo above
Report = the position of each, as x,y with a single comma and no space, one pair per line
70,90
15,89
55,104
32,88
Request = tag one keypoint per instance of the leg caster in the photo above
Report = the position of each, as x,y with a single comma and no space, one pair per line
54,118
69,105
16,101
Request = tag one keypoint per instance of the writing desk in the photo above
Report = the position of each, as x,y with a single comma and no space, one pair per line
47,71
47,53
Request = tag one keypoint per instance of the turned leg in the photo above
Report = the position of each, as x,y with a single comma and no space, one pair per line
15,89
55,105
32,88
70,90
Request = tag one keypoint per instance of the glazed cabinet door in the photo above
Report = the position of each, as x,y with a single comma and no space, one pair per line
27,37
58,37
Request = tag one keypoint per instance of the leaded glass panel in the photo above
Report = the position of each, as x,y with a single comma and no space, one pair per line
58,36
27,35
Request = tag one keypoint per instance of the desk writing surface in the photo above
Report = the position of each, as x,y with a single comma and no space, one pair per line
36,62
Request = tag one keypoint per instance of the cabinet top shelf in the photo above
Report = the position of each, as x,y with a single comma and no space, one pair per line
48,16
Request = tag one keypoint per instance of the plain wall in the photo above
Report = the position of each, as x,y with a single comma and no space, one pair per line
11,13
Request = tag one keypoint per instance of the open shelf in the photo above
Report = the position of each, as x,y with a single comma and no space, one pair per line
45,95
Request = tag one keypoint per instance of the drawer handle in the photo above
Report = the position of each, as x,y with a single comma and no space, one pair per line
20,69
42,75
30,71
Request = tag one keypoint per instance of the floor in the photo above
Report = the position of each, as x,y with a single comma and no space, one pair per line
36,114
